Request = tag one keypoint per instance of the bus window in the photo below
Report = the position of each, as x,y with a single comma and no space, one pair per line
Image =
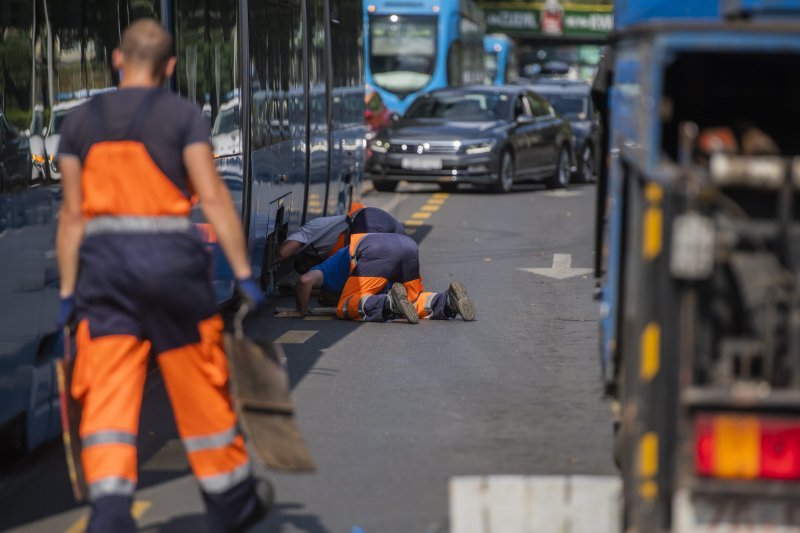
207,72
402,51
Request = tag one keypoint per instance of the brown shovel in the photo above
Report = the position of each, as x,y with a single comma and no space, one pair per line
260,388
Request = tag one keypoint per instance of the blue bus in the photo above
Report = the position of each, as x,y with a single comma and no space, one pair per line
500,60
415,46
287,117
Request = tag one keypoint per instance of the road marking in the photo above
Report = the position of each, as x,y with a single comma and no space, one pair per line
535,504
137,510
440,195
561,193
421,216
295,336
413,222
430,208
437,201
392,204
561,269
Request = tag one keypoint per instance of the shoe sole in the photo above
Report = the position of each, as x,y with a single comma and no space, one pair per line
464,304
399,297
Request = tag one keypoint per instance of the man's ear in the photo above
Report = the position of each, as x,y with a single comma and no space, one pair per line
169,69
117,59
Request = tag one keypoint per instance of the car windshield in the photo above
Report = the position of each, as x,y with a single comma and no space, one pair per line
402,51
462,107
570,106
227,121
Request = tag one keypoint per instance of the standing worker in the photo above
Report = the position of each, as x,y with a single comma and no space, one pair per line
131,161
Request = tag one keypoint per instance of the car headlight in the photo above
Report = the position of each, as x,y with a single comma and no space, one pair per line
480,148
380,146
38,159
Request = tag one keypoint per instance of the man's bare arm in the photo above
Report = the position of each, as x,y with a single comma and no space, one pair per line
288,249
217,206
70,224
302,292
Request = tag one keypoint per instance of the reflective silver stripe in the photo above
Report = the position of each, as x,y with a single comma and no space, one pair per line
206,442
111,486
222,482
344,308
110,436
361,303
428,302
155,224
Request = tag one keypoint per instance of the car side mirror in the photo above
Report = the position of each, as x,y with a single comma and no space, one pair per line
526,119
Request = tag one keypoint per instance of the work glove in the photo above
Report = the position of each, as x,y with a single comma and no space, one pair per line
67,311
251,293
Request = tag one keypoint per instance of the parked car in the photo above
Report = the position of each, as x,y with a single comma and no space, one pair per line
574,103
491,136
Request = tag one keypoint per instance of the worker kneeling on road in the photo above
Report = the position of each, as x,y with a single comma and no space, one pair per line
364,271
320,238
131,162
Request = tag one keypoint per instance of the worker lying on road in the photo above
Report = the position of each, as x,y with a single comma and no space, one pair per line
131,162
364,271
318,239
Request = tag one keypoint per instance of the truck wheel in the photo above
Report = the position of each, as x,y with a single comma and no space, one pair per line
385,186
560,179
505,174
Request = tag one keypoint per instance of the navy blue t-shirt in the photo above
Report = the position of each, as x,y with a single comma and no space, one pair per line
169,125
335,270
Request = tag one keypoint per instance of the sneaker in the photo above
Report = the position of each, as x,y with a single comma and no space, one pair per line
399,304
459,301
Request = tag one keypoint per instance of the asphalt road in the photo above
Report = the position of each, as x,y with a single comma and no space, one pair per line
393,411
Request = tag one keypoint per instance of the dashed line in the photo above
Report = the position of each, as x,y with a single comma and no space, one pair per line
437,201
411,222
137,510
440,195
295,336
418,218
430,208
421,216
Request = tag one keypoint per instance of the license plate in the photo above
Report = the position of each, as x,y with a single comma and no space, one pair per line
421,163
706,514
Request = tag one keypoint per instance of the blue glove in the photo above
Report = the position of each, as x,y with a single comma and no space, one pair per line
251,293
67,310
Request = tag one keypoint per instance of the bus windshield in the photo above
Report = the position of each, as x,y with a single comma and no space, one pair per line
402,51
461,107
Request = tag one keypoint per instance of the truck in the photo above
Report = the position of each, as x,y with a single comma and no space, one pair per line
698,260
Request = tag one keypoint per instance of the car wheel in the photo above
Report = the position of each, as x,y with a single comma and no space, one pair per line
448,187
505,174
560,179
385,186
587,166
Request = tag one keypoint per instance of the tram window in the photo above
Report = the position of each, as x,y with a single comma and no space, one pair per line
206,35
316,67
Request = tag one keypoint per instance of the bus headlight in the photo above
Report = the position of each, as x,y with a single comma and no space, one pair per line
480,148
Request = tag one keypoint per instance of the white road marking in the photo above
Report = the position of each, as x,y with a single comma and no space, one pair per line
535,504
561,193
392,204
561,269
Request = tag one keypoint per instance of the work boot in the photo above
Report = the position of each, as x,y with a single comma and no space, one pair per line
399,304
265,492
459,302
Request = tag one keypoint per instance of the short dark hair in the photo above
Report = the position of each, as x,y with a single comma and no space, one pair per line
146,41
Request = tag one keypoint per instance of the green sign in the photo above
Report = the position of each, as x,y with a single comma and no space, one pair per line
550,18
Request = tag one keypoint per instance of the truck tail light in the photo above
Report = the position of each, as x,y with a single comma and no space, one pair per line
747,447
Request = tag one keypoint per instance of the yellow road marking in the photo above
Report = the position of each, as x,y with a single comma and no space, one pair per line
650,351
413,223
421,216
437,201
138,509
441,195
295,336
431,208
